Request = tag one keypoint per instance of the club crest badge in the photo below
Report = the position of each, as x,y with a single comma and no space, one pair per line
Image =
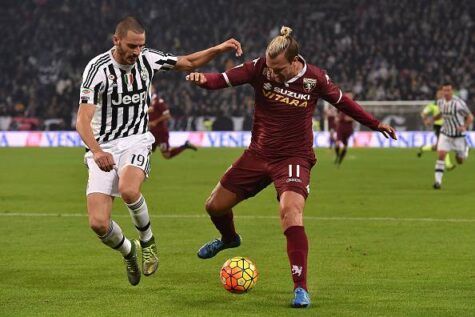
309,84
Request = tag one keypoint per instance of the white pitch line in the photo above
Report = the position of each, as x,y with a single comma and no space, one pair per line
194,216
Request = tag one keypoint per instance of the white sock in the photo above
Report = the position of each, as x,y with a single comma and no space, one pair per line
439,171
139,213
115,239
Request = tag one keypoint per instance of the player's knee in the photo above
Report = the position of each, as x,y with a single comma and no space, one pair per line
129,194
212,207
99,225
291,215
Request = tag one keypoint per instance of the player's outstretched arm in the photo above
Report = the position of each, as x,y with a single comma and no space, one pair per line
354,110
104,160
209,81
387,131
192,61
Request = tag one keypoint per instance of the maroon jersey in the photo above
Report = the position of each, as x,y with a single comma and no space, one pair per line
160,108
283,111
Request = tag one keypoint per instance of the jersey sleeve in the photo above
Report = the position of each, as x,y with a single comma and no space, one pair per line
327,89
93,81
160,61
466,111
241,74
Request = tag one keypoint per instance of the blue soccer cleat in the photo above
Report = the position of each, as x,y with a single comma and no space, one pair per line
213,247
301,298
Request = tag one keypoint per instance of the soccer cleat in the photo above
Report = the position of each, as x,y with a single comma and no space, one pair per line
131,264
213,247
149,257
450,167
419,153
190,146
437,185
301,298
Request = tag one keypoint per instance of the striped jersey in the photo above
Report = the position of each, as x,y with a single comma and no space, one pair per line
121,93
454,113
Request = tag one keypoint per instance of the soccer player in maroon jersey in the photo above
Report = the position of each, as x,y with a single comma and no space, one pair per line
330,115
286,90
344,130
159,114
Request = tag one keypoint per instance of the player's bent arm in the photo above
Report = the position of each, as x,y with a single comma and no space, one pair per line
103,159
83,126
468,121
437,117
198,59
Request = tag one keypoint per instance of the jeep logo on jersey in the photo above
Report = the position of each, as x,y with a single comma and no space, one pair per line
126,99
309,84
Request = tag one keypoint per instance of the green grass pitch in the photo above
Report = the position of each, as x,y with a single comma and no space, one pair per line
382,241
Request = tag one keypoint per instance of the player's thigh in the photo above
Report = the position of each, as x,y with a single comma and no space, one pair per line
221,200
247,176
99,209
444,144
461,149
292,174
134,167
100,181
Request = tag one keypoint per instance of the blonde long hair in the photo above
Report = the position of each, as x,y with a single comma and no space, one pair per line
283,43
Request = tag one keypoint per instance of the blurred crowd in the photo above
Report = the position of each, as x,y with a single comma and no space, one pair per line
380,50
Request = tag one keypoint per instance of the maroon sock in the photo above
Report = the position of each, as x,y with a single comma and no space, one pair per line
225,225
177,150
297,250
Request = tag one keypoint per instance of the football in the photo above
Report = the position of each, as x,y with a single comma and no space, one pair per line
238,275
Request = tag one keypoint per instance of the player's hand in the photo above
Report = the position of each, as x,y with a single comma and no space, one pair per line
387,131
104,160
428,122
196,78
462,128
152,124
230,44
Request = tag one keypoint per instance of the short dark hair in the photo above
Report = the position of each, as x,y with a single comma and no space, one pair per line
446,84
129,23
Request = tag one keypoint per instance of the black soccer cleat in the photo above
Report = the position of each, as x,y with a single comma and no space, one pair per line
190,146
437,185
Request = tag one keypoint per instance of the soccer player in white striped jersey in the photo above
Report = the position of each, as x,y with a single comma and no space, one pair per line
457,120
113,123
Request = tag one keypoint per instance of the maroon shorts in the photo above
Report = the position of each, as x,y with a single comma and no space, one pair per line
161,140
250,174
343,135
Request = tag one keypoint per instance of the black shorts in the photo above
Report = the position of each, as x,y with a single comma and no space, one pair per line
437,129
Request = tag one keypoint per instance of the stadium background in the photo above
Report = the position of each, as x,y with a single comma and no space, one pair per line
380,50
382,241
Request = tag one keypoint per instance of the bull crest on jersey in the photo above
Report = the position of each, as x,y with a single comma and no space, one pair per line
309,84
